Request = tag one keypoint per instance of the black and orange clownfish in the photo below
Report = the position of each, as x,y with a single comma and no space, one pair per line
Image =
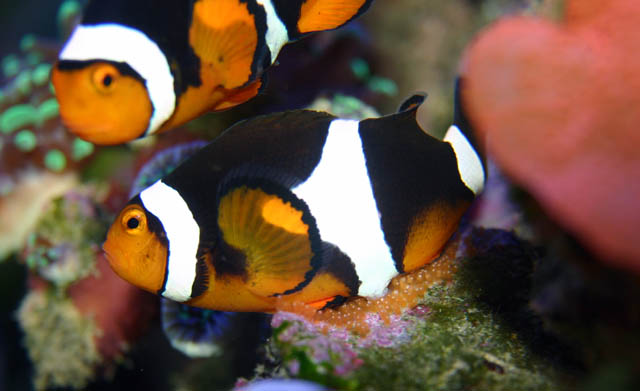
298,206
138,67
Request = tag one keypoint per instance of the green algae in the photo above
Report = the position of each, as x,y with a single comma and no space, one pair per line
59,340
460,346
480,332
25,140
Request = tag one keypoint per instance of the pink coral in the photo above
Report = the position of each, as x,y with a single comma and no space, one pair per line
556,105
335,345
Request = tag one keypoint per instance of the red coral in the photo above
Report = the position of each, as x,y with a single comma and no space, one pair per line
558,105
121,311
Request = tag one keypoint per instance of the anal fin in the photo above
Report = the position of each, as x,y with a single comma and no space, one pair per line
429,232
240,96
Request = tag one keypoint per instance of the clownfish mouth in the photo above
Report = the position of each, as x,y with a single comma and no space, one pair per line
106,253
111,254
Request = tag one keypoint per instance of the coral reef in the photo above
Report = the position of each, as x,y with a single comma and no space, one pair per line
64,245
60,341
79,316
404,292
461,334
553,105
38,157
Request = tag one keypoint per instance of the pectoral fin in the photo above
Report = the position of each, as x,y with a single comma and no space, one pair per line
275,233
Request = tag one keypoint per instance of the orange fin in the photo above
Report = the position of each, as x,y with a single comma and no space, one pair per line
320,304
317,15
277,237
223,35
240,96
429,232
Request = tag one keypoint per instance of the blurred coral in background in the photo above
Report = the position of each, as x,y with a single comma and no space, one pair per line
557,105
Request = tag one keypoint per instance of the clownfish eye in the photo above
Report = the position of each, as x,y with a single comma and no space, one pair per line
106,80
133,220
133,223
104,76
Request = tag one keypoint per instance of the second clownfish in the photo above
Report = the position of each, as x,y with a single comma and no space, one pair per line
301,207
138,67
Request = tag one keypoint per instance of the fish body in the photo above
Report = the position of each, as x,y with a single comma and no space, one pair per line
298,206
133,68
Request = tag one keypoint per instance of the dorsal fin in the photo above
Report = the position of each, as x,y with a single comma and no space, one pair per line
413,102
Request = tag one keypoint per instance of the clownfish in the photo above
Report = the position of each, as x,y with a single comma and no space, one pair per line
133,68
299,206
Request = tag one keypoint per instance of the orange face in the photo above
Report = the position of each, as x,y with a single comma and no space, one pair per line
134,252
101,105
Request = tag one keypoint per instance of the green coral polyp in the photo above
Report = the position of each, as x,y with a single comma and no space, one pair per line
27,42
81,149
23,82
25,140
10,66
17,117
55,160
48,109
40,75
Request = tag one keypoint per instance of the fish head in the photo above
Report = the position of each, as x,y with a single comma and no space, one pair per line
102,102
136,247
